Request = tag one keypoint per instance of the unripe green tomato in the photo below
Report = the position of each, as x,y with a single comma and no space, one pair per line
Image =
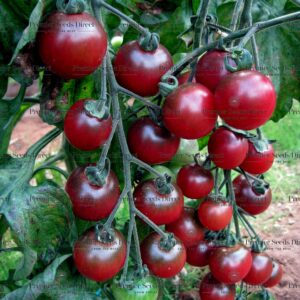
185,153
162,170
260,296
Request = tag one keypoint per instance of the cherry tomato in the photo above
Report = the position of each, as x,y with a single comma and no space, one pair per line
230,264
72,45
212,289
198,254
84,131
257,162
215,214
187,228
162,262
98,260
245,99
227,149
248,199
140,71
91,202
211,68
184,77
159,208
261,269
185,153
276,276
189,111
194,181
151,143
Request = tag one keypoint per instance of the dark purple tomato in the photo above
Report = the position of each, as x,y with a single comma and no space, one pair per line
152,143
198,254
140,71
91,202
72,45
276,276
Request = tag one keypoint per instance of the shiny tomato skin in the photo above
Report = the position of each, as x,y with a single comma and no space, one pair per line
194,181
215,215
212,289
257,162
230,264
189,111
161,262
198,254
276,275
187,228
84,131
261,269
184,77
140,71
245,99
151,143
227,149
159,208
248,199
91,202
97,260
72,52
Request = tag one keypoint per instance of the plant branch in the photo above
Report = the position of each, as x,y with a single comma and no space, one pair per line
54,168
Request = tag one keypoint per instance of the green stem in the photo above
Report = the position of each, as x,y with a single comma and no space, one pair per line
250,176
57,169
145,166
238,9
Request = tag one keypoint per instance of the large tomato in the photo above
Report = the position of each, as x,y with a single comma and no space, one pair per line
91,202
140,71
198,254
248,199
276,275
162,262
84,131
98,260
230,264
72,45
189,111
152,143
245,99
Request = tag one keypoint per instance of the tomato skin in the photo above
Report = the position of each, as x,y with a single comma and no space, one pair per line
227,149
84,131
248,199
245,99
215,215
256,162
212,289
261,269
184,77
211,68
140,71
91,202
151,143
187,228
276,275
64,51
198,254
159,208
230,264
161,262
189,111
194,181
97,260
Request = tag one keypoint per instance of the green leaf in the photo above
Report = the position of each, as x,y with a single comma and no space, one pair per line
26,264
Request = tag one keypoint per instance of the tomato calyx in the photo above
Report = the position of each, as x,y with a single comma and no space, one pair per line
242,57
97,175
163,184
258,246
98,109
261,295
167,85
70,6
103,234
167,242
149,41
259,187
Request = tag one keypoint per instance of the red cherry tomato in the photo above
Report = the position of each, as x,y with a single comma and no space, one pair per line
194,181
189,111
257,162
248,199
151,143
261,269
212,289
187,228
245,99
198,254
84,131
162,262
159,208
98,260
215,215
140,71
211,68
72,45
227,149
276,275
91,202
230,264
184,77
